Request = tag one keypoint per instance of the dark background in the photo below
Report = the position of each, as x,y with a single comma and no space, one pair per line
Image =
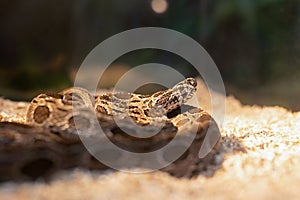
254,43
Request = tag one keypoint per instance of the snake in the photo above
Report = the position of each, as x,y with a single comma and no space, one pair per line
50,140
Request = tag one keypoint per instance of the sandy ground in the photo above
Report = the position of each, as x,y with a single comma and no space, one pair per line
261,161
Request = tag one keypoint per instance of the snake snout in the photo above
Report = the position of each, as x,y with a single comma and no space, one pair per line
192,82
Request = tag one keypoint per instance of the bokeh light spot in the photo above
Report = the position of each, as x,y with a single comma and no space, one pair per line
159,6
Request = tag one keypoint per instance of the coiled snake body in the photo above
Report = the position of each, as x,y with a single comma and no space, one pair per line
49,141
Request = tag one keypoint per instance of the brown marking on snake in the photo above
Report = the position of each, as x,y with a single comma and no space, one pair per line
101,109
41,113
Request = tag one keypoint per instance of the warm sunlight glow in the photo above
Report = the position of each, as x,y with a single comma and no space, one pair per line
159,6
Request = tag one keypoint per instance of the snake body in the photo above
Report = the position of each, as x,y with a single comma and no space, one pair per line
54,122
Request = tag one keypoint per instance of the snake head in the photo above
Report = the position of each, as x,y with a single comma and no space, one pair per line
171,99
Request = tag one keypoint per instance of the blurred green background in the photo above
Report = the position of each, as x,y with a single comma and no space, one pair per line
254,43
